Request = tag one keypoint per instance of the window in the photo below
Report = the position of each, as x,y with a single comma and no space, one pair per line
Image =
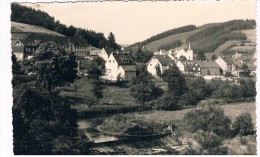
199,68
113,61
109,61
193,68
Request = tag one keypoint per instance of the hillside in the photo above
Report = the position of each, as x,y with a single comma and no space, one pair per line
20,28
216,38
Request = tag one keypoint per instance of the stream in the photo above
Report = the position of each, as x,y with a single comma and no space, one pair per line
89,126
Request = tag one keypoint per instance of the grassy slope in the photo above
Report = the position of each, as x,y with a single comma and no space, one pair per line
26,28
153,46
111,94
231,110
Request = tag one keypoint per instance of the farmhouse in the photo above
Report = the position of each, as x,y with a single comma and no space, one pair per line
185,65
24,48
205,68
120,65
164,62
226,64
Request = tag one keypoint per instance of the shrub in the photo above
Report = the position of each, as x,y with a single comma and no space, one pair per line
243,125
167,102
208,139
210,119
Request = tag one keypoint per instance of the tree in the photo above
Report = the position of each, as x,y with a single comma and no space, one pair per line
213,57
39,130
143,89
96,68
176,82
111,41
158,70
183,58
201,56
210,119
53,67
243,125
16,68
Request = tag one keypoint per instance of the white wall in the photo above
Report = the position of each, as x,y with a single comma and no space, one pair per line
151,65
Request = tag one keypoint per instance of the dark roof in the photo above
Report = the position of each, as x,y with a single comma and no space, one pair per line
124,58
129,67
16,49
28,42
228,60
164,59
189,62
208,64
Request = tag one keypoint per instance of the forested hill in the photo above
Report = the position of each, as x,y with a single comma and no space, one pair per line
206,38
31,16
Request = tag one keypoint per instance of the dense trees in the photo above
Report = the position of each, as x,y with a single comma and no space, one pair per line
208,39
53,67
143,88
175,80
43,122
36,17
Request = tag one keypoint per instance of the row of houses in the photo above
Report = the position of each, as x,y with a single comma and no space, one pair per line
121,64
184,61
25,48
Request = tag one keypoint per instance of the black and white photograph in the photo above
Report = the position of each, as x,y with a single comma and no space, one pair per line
131,77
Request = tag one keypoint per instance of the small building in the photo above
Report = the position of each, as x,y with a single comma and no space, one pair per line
185,65
164,62
24,48
202,68
79,49
120,65
187,54
226,64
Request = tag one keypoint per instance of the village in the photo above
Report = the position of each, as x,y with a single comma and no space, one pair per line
121,62
189,90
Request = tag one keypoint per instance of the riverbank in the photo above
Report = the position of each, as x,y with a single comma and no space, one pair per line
179,141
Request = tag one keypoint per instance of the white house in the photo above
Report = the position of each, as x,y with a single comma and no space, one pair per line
24,48
120,64
226,64
164,62
103,54
188,55
185,65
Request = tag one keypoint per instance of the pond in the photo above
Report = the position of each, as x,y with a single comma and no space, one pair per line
89,128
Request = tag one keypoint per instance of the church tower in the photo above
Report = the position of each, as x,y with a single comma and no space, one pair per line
189,53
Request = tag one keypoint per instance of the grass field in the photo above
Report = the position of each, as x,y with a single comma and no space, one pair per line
26,28
231,110
250,34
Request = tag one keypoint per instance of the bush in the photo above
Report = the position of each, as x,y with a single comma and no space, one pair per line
167,102
208,139
243,125
209,119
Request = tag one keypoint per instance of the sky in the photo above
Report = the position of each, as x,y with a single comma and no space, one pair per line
136,21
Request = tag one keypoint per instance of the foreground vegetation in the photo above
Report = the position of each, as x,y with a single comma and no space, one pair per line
209,132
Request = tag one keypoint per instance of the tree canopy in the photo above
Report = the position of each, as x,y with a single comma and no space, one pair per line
52,66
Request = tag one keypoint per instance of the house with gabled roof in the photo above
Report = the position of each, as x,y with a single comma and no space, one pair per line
120,65
202,68
24,48
164,62
184,65
104,53
187,54
226,64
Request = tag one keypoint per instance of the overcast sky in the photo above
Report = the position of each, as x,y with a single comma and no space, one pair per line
136,21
